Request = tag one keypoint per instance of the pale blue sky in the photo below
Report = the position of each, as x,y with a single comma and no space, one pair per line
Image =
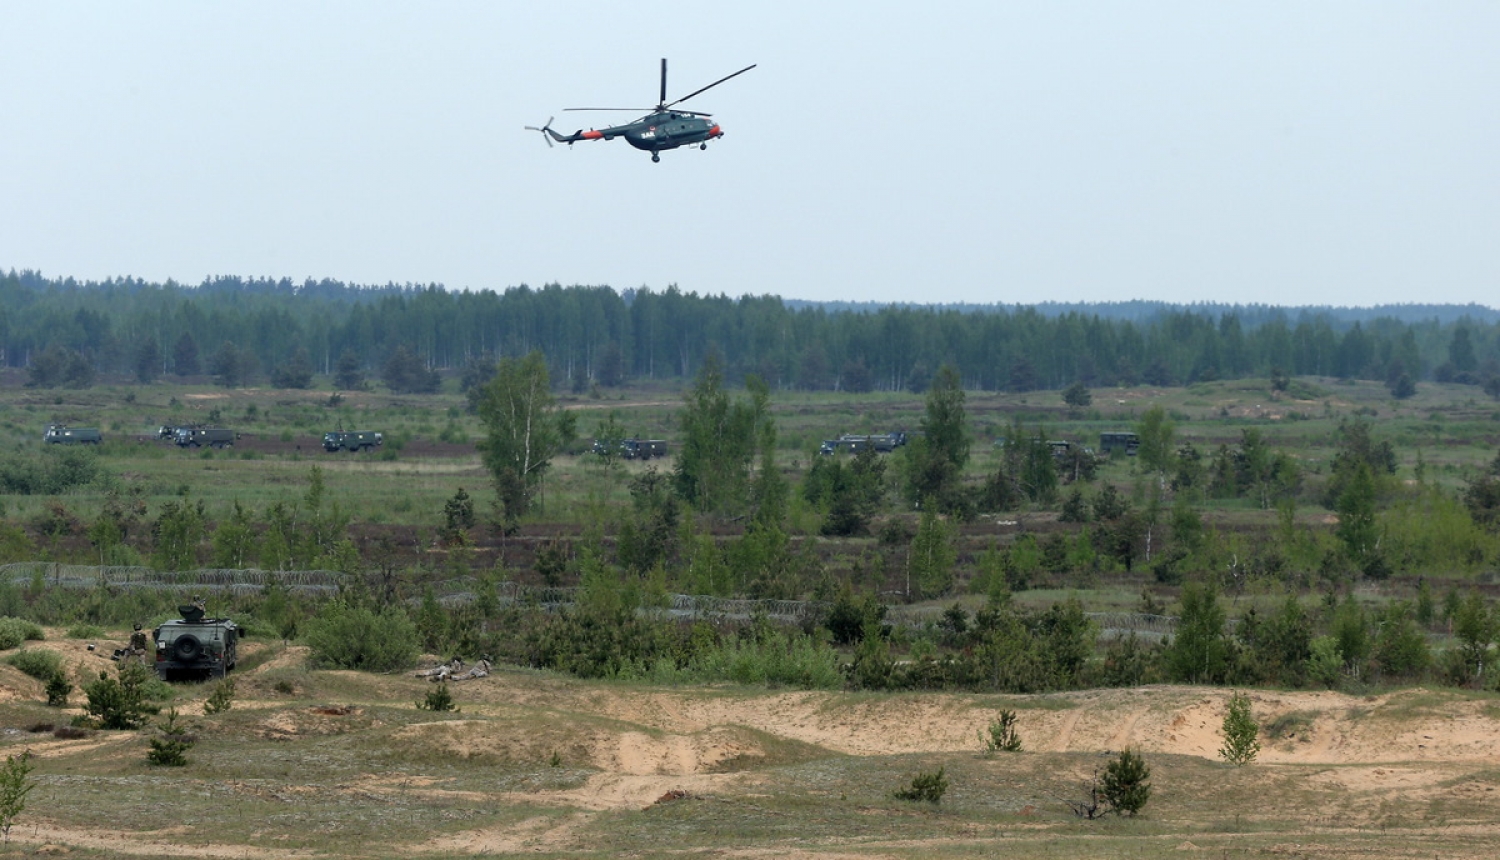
1290,153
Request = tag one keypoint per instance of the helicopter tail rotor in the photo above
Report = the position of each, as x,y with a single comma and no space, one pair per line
546,130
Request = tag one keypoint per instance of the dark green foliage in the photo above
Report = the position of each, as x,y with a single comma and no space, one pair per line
231,366
58,689
58,366
120,702
850,493
648,534
348,373
295,372
178,532
185,355
169,748
1200,653
405,372
53,471
936,458
849,618
355,637
1275,647
719,442
147,361
438,699
925,788
1077,395
1126,784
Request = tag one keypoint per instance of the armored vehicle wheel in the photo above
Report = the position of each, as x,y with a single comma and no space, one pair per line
187,647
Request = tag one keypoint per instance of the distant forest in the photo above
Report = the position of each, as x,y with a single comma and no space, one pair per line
245,331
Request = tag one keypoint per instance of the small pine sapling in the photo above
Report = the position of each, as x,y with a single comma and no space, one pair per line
15,784
58,689
221,699
1125,784
1001,735
438,699
1241,743
170,749
926,787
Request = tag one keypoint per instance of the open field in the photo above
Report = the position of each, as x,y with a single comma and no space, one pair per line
315,763
339,764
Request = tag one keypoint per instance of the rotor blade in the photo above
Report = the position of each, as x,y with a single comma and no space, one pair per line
710,86
663,99
635,110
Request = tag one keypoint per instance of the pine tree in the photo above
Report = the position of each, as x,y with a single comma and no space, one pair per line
1240,732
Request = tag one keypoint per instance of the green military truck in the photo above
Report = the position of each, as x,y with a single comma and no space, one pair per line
352,440
62,434
195,647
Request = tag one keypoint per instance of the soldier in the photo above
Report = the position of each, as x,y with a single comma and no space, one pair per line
138,645
198,602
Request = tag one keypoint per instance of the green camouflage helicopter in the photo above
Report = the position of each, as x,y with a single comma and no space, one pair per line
662,128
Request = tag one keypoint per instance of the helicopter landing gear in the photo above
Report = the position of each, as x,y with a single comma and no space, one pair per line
656,156
703,146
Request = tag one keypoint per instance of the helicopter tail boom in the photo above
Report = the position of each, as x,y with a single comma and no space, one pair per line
550,134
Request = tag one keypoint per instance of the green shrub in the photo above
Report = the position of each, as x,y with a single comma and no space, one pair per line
36,662
925,787
120,703
170,748
438,699
14,631
59,688
354,637
1240,731
1125,785
1001,735
221,699
85,631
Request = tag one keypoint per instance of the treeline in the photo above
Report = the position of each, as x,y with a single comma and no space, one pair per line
242,331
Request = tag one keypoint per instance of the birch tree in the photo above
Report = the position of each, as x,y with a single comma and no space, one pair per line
524,428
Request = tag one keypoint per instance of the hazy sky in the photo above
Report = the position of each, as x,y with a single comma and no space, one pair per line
1289,153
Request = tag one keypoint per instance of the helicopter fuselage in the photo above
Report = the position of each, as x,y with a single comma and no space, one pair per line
654,133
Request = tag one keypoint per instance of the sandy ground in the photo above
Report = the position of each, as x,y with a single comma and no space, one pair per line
645,745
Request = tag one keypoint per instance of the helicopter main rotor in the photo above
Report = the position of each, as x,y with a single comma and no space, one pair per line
663,105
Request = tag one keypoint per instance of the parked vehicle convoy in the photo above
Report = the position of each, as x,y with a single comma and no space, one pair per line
853,443
194,437
352,440
62,434
636,449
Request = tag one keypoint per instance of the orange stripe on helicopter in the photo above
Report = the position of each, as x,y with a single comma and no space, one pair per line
716,131
593,135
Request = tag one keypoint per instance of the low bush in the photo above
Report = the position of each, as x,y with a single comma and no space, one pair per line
36,662
14,631
925,787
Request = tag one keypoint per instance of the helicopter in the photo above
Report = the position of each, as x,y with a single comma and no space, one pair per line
663,127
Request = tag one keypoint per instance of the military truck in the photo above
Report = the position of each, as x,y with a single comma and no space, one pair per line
352,440
195,647
193,437
643,449
1112,441
62,434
